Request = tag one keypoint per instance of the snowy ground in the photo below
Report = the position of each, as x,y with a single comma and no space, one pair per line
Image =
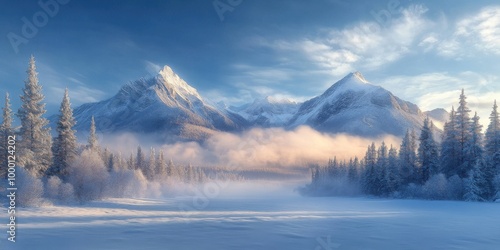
252,222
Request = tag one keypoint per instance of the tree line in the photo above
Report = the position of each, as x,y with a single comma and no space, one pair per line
61,162
464,165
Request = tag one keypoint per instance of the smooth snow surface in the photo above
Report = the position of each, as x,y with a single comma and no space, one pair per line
279,222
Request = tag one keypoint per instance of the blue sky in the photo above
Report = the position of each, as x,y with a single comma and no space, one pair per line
422,51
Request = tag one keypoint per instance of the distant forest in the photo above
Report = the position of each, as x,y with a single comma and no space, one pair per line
464,166
60,169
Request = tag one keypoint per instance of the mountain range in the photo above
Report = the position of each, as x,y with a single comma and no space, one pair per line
172,110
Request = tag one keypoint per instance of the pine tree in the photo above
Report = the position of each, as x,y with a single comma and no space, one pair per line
170,168
450,147
105,155
93,141
332,168
392,176
474,184
151,166
492,140
119,162
140,160
381,186
35,141
353,171
131,164
427,153
111,163
315,175
408,158
64,147
369,178
474,150
161,166
5,131
464,124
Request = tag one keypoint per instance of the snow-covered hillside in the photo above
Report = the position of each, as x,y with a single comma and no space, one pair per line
268,111
438,116
355,106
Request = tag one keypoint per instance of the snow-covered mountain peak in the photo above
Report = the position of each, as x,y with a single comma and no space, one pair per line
167,71
354,78
273,100
358,76
168,78
352,82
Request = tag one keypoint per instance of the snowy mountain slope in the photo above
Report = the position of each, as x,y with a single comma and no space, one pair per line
165,104
355,106
268,111
168,107
438,116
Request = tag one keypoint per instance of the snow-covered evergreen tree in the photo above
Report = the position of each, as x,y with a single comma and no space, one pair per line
408,158
35,141
428,157
315,175
473,184
105,156
464,124
171,168
450,147
140,160
93,141
333,168
474,150
64,147
151,165
369,177
392,176
5,131
119,163
131,164
161,167
381,170
492,140
353,170
111,163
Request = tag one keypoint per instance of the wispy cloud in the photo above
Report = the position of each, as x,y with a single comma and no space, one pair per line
152,68
442,89
56,82
363,46
251,82
78,94
478,32
245,93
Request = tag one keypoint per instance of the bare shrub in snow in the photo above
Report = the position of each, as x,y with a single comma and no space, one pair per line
55,189
436,188
127,183
52,187
88,175
30,188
